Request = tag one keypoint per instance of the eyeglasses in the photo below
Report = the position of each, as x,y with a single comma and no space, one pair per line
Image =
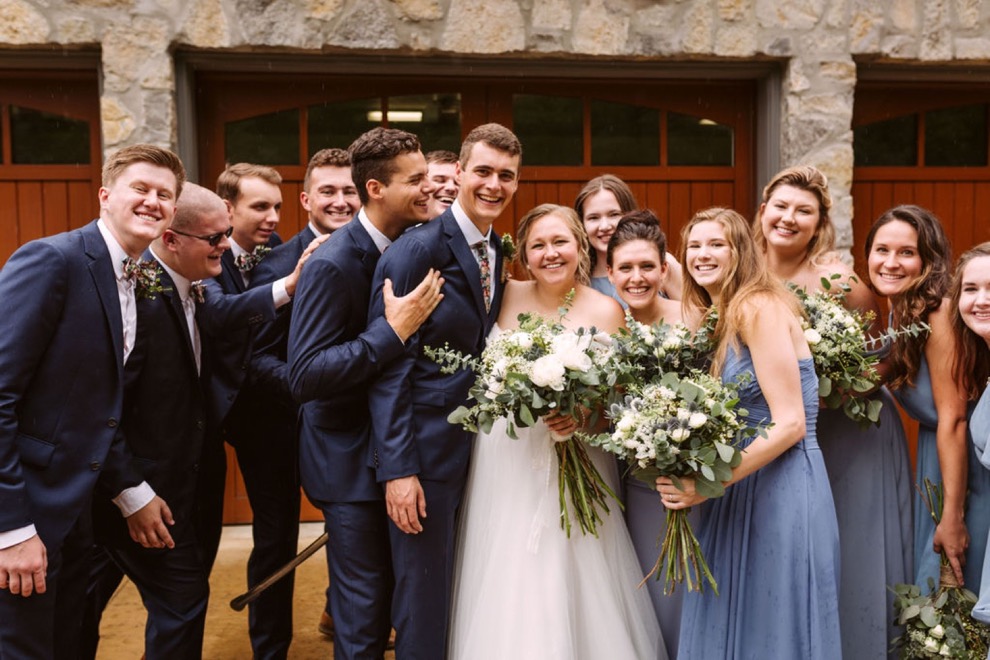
212,239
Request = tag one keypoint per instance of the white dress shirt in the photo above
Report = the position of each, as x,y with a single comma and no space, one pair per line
279,294
473,236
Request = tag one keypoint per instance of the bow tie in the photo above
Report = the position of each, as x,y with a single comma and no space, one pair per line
246,262
144,275
197,291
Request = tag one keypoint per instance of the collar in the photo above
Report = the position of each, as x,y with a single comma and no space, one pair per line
236,250
317,232
117,254
182,284
468,228
381,240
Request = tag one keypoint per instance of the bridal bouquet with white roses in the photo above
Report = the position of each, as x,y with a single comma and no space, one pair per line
642,353
687,425
539,369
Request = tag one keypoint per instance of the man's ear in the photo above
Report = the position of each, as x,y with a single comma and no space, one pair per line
375,189
230,208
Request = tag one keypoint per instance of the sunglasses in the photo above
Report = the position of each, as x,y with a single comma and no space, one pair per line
212,239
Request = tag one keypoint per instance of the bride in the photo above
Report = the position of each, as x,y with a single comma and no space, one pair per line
522,588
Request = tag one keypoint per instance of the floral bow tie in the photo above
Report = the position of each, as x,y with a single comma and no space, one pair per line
145,274
197,291
246,262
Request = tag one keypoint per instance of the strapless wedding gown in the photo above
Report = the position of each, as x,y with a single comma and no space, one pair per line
522,588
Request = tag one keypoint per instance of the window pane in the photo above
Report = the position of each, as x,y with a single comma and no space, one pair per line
550,129
434,118
624,134
271,139
338,124
698,141
43,138
892,142
956,136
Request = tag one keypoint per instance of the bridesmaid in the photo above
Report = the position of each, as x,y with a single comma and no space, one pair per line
868,465
971,325
908,261
600,205
637,268
772,539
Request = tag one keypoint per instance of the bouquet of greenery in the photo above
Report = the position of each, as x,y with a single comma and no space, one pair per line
939,624
845,360
680,426
540,369
642,353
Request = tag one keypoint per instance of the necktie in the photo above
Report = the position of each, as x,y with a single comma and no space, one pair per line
481,250
189,309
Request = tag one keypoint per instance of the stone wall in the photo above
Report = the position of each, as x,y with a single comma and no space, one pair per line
816,38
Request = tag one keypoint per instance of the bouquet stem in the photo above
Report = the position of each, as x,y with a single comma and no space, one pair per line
579,480
681,559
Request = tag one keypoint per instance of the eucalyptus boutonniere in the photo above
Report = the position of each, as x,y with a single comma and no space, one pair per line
146,275
508,254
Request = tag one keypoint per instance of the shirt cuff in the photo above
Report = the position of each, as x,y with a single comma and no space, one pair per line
132,500
278,293
14,536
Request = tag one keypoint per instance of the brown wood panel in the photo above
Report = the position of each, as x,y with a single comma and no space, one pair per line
963,214
9,231
55,196
30,210
981,202
83,203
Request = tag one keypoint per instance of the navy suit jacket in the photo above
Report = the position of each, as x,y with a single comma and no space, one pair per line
410,402
61,382
334,355
165,410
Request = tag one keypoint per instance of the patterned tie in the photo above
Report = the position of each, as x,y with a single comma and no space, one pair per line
246,262
481,250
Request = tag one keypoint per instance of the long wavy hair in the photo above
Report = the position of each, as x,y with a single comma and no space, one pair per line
748,276
613,184
811,179
971,367
583,274
924,295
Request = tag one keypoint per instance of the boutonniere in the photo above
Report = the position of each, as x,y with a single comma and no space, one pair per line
197,291
248,261
146,275
508,254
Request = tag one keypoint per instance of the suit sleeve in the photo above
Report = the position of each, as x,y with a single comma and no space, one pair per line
33,282
222,312
267,367
322,360
406,263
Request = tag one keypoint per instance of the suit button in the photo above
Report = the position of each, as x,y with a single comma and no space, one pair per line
112,422
94,466
199,424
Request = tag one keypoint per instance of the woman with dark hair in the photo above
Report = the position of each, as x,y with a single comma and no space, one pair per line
772,540
795,233
908,260
600,205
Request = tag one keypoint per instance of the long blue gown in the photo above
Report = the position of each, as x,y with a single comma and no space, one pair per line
870,474
979,425
920,405
772,543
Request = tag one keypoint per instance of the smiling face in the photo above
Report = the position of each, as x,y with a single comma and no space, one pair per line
894,261
139,205
489,179
601,213
332,198
552,250
974,296
405,199
255,213
790,219
637,274
195,259
443,176
708,256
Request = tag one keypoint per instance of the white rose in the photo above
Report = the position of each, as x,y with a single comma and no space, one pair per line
499,368
603,338
937,631
697,420
944,651
709,403
931,645
523,340
671,342
574,358
679,435
495,387
548,371
683,414
626,423
812,336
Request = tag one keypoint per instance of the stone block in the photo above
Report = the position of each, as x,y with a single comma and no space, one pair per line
865,27
206,25
323,10
419,10
735,40
789,14
117,122
75,30
368,25
972,49
903,16
734,10
22,23
496,26
968,13
599,31
551,16
697,29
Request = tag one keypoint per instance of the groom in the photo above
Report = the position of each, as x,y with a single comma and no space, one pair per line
420,458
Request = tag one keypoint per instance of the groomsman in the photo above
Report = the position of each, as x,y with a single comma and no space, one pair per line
62,360
330,200
334,355
442,171
420,457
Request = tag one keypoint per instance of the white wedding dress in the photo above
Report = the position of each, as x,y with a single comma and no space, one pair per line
522,588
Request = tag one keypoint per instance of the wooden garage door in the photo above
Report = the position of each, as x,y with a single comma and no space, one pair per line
49,155
682,146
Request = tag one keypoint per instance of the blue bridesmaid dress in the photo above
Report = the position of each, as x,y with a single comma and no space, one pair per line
920,405
772,543
979,425
870,474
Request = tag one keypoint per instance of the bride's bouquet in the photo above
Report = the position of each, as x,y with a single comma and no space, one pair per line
642,353
541,369
680,426
845,357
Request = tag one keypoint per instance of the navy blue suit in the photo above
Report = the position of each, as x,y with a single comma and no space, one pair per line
61,401
334,355
411,435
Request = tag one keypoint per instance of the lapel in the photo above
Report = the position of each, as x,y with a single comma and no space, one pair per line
364,247
105,280
465,258
231,275
497,282
172,300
